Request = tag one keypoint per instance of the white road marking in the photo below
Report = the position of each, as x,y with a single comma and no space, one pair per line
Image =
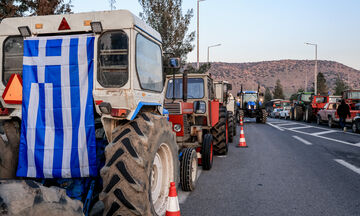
287,124
275,126
302,140
325,132
348,165
183,195
297,128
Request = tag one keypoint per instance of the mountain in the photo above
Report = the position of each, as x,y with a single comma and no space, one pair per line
290,72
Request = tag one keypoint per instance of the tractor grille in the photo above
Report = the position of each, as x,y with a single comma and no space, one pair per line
173,108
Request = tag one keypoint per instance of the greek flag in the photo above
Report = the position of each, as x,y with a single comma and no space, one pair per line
57,130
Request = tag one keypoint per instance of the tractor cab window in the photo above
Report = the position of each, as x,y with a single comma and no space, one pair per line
250,97
113,59
13,50
320,99
354,95
306,97
195,88
149,64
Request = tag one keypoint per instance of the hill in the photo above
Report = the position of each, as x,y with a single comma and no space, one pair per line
290,72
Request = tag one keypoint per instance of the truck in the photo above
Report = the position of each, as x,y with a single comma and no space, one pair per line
136,151
252,105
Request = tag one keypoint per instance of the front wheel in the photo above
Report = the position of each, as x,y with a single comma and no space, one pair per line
207,152
356,126
141,162
318,120
188,169
330,122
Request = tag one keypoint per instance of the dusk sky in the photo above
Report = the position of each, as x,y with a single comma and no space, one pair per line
261,30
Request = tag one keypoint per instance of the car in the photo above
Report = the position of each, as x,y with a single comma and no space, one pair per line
275,113
327,114
356,120
284,113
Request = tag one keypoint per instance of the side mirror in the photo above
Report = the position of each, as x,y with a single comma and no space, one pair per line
185,85
174,63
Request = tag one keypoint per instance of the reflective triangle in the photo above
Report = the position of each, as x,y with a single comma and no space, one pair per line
13,90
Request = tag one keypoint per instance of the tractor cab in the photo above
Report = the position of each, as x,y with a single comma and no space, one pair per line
352,97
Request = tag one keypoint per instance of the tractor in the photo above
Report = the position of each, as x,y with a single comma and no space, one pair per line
199,120
299,106
136,154
251,105
226,99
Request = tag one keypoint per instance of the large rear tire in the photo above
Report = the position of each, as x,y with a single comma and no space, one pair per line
27,197
188,169
308,114
230,126
264,116
140,163
9,149
298,113
219,134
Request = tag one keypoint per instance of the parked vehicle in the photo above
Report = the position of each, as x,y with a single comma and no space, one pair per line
271,105
299,106
356,120
135,145
275,113
327,114
284,113
251,105
317,102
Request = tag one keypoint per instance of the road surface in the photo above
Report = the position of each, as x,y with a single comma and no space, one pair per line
290,168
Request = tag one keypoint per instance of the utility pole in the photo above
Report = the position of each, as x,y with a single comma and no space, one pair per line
316,67
197,33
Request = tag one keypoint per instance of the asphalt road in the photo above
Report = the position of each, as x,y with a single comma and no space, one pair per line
289,168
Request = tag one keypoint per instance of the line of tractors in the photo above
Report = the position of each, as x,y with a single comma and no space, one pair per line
320,108
150,129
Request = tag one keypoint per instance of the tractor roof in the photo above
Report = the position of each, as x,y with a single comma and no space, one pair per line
190,75
78,22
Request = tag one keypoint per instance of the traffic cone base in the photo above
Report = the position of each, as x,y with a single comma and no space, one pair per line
242,142
172,208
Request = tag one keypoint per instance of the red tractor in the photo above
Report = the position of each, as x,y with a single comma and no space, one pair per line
317,102
199,120
351,97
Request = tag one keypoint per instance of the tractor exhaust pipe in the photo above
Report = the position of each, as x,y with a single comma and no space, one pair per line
185,85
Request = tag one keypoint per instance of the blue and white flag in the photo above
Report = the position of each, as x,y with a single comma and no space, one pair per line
57,130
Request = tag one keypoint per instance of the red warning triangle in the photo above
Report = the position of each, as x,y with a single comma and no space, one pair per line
13,90
64,25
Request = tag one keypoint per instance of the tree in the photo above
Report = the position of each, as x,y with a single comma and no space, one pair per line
340,86
47,7
278,91
12,8
202,69
268,96
322,88
166,17
294,96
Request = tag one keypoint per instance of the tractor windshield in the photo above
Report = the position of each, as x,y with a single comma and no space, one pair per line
250,97
195,88
354,95
306,97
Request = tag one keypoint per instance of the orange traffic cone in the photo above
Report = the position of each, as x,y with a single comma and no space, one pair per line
241,121
172,208
242,142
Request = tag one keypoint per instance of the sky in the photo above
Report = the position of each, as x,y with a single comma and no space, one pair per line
264,30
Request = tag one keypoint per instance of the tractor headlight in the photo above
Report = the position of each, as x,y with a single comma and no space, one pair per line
177,127
254,106
249,106
199,107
